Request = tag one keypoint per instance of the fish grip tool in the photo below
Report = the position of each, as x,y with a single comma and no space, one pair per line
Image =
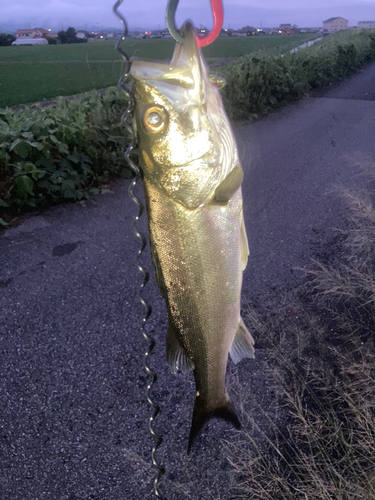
126,120
202,41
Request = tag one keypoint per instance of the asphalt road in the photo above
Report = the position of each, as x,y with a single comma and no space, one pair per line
72,415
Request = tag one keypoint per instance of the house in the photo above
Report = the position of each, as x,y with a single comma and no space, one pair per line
248,30
82,34
287,25
335,24
288,30
31,33
370,25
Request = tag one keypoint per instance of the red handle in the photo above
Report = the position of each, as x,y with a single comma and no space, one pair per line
218,13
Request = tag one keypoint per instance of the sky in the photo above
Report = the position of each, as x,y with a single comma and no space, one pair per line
97,14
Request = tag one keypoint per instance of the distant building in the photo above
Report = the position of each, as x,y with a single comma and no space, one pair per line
288,30
82,34
31,33
366,25
335,24
31,41
282,26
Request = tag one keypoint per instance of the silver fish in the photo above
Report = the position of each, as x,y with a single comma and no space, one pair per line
192,179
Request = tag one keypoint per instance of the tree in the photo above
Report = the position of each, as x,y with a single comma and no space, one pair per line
6,40
71,35
61,35
68,36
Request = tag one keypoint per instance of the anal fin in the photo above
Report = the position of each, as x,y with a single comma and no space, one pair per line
242,345
177,359
229,186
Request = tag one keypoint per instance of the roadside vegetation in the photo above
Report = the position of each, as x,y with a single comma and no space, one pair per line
60,153
260,83
321,347
65,151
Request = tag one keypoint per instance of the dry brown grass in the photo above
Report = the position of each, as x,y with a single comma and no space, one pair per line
323,447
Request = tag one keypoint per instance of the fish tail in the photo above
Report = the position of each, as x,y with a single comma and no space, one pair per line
201,416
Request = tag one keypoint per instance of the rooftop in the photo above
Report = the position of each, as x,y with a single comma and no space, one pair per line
333,19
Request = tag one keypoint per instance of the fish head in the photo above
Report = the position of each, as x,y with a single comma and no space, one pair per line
185,141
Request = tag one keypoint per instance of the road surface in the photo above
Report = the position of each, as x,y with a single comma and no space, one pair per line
73,417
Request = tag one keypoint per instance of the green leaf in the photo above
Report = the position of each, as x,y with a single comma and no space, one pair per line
25,186
3,223
75,158
21,148
36,145
3,203
53,139
28,135
29,167
63,148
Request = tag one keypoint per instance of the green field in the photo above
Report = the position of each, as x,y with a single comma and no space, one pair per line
30,74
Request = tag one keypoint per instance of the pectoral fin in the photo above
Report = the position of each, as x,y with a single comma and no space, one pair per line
242,345
229,186
245,252
158,272
177,359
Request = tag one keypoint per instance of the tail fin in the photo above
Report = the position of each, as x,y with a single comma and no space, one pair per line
201,416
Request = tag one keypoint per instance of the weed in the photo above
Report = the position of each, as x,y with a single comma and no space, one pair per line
323,448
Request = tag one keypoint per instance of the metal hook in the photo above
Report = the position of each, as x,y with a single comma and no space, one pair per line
217,12
119,42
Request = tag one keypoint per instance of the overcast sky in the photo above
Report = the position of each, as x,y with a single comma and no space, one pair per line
56,14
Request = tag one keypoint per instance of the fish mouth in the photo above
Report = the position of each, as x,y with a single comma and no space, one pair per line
184,70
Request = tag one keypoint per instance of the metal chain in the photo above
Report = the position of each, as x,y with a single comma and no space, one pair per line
127,121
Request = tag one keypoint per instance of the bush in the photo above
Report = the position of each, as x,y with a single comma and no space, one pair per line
258,84
6,40
50,40
61,152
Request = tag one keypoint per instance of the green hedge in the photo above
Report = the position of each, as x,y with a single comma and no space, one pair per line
61,152
259,84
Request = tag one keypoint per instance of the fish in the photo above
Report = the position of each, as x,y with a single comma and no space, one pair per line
192,180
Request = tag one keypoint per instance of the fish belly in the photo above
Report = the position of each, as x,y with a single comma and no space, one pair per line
199,259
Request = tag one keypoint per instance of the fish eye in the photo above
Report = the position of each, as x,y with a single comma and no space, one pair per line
155,120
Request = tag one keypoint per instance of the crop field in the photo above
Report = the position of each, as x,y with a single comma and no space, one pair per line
34,73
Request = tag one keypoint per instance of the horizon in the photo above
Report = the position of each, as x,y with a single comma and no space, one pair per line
97,15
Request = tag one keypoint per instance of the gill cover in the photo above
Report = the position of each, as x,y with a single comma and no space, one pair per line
184,135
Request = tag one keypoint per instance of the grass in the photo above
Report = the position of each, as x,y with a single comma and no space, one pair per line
26,83
322,346
30,74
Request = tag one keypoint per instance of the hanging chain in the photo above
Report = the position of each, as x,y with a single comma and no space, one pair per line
127,121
